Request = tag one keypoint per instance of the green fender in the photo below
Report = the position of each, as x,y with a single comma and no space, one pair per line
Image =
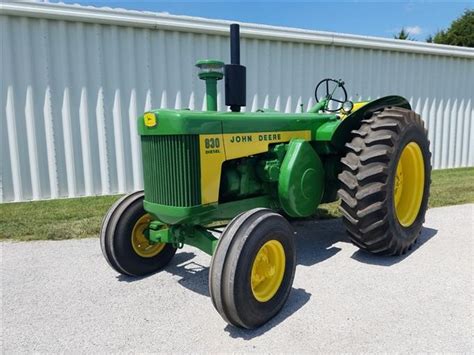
301,180
338,133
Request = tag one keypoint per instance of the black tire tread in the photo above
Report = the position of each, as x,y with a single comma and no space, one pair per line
364,180
109,221
226,257
108,234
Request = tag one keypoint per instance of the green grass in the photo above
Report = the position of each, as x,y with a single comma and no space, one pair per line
81,217
53,219
452,187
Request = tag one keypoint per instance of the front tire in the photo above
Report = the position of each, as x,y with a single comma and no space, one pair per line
123,241
253,267
385,181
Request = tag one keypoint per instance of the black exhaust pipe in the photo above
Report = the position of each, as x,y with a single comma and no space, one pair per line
235,74
234,44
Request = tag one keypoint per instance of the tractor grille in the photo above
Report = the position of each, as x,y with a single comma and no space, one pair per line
171,170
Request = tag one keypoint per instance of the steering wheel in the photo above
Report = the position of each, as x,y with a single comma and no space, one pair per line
331,86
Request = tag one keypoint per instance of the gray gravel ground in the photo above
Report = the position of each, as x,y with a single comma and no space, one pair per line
62,297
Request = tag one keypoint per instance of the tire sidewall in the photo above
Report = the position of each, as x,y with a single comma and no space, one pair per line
121,241
251,311
410,133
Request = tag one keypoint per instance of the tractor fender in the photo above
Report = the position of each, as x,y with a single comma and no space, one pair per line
341,135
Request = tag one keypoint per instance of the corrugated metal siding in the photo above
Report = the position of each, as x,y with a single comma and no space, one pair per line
71,92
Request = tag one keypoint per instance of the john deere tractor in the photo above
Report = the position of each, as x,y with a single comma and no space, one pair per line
257,171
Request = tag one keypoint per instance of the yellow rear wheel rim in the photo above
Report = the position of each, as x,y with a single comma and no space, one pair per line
140,243
268,269
409,184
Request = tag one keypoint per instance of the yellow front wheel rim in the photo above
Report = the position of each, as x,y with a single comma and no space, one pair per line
268,270
140,243
409,184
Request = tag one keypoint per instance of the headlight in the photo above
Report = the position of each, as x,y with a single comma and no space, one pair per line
347,107
210,68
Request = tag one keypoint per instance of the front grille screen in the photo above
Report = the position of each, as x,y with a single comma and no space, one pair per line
171,170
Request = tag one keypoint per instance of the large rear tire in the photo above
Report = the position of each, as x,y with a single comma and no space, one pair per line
253,267
385,181
124,243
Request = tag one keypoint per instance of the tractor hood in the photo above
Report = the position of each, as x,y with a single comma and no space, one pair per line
167,122
176,122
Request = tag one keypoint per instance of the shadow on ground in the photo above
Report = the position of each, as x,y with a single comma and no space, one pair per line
367,258
193,276
315,243
315,240
297,299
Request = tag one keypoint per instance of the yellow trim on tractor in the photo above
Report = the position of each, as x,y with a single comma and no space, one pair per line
235,145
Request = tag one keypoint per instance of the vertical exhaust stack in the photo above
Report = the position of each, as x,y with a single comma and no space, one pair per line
235,74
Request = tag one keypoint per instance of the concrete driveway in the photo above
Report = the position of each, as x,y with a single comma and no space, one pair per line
63,297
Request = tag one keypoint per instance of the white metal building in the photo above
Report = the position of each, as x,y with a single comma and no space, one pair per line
74,79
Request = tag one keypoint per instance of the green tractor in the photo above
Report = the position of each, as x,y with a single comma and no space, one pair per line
258,170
